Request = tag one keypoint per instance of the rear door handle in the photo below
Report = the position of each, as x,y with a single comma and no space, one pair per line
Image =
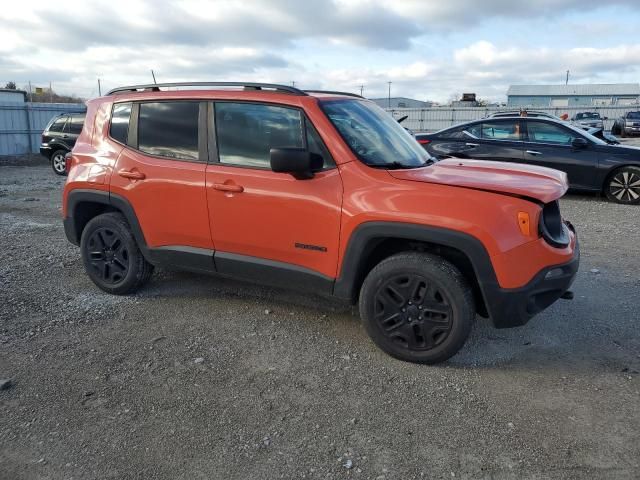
65,136
533,152
471,144
226,187
132,175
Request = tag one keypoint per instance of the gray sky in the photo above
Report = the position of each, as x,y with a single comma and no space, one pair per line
428,49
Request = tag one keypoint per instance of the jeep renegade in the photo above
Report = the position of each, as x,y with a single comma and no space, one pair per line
322,191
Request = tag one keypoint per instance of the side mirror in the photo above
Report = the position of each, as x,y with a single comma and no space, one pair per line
605,118
296,161
579,143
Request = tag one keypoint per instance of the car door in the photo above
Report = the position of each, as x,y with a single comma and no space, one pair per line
498,139
264,224
56,135
160,172
550,144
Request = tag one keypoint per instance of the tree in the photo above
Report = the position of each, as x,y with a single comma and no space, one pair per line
10,86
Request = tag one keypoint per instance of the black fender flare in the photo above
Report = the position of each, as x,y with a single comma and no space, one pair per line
366,236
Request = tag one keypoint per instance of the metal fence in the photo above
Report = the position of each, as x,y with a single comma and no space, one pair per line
21,124
437,118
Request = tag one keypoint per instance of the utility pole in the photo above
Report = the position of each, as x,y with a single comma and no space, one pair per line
389,94
154,76
30,94
566,82
99,89
293,83
50,93
362,90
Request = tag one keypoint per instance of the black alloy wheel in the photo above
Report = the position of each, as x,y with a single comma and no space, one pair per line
108,255
417,307
412,311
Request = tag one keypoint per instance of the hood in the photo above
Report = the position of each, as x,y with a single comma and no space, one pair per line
540,183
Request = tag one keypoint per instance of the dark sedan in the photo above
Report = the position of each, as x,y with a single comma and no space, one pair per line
590,163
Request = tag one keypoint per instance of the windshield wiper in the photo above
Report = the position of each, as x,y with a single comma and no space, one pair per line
395,165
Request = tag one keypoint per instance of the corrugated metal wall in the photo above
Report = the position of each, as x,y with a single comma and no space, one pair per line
437,118
21,124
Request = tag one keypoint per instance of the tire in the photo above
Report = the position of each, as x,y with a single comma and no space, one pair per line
623,186
111,255
417,307
58,162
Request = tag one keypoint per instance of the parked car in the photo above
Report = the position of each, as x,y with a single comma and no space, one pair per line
628,124
590,163
602,135
588,120
324,192
529,113
59,137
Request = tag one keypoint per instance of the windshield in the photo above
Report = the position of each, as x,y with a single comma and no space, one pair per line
373,135
585,115
634,115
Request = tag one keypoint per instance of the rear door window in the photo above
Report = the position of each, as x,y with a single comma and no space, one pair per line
501,130
75,124
169,129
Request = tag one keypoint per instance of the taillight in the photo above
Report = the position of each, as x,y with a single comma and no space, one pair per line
67,162
423,141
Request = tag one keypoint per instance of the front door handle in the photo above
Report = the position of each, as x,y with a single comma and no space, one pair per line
132,175
471,144
534,152
228,187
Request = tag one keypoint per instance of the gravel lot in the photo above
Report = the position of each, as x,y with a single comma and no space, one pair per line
202,378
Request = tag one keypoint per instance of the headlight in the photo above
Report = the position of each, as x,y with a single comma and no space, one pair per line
552,228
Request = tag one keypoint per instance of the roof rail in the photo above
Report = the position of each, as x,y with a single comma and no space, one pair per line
349,94
246,85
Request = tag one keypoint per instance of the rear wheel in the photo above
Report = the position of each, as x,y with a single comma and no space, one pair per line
417,307
58,163
623,185
111,256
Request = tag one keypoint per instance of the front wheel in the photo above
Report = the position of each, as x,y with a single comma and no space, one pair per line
58,163
111,256
417,307
623,186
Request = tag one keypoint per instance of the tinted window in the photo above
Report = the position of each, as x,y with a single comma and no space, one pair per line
502,130
75,124
119,129
468,132
548,133
58,125
169,129
634,115
247,132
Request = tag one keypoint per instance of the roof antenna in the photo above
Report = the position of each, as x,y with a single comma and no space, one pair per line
154,76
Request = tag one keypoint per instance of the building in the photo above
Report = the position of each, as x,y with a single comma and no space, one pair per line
9,95
467,100
586,95
400,102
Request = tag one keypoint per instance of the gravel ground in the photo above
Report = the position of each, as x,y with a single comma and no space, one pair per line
202,378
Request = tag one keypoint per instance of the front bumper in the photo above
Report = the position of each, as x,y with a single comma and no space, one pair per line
515,307
629,130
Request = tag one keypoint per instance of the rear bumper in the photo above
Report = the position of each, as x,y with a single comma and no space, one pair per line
515,307
46,151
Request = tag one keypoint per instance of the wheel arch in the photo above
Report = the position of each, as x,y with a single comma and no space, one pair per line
83,205
373,241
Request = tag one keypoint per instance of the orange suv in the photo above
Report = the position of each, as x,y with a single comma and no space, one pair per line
322,191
